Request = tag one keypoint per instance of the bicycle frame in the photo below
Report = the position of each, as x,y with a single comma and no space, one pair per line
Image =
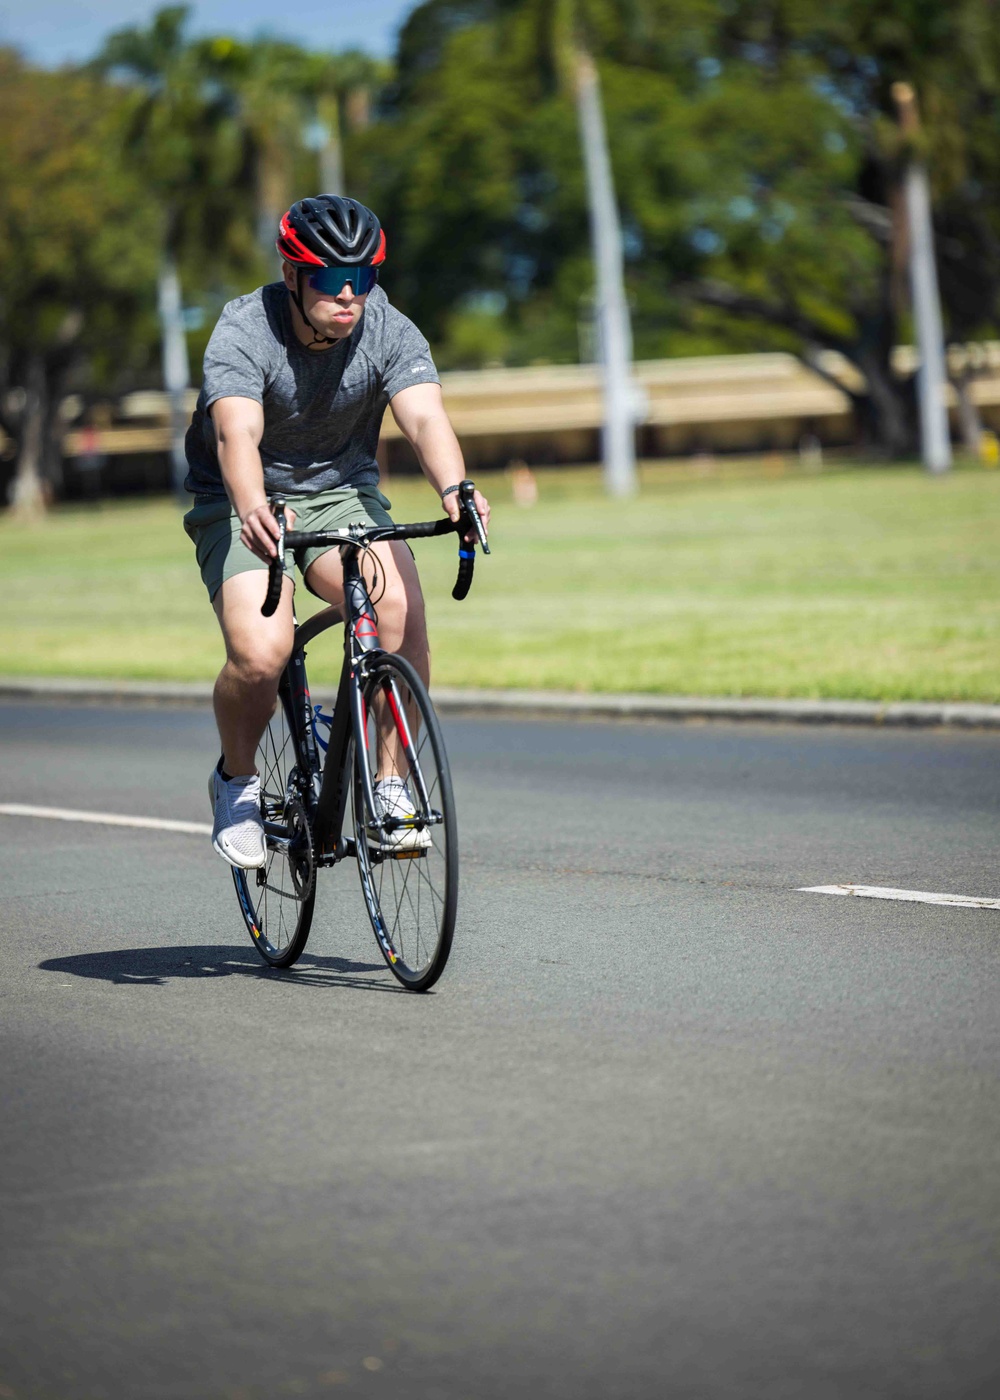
328,808
382,792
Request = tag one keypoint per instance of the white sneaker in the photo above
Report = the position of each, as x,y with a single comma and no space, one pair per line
393,800
238,833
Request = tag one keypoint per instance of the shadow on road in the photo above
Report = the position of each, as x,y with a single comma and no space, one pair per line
154,967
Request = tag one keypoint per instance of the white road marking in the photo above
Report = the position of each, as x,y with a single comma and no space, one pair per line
957,901
66,814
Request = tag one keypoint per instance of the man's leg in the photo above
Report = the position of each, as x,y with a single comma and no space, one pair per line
399,601
257,649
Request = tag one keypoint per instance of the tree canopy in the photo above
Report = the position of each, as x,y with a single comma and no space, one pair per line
757,161
77,250
165,147
756,154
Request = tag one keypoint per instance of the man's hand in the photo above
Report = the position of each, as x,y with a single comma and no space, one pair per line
453,508
260,531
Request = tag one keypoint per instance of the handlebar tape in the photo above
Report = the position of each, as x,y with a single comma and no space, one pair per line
276,572
311,539
428,528
466,567
276,568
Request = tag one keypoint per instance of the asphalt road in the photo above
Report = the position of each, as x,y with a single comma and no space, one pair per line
667,1126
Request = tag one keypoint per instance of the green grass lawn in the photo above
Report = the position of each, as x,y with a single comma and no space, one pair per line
878,583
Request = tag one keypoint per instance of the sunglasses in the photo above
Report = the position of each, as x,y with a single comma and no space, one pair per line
330,281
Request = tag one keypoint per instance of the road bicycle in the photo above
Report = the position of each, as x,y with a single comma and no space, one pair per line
374,788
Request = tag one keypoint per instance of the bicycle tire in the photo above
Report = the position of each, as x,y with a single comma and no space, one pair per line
279,925
409,882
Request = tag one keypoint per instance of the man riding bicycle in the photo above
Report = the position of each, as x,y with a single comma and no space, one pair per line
297,377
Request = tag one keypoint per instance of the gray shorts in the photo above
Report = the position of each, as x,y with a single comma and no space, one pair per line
215,528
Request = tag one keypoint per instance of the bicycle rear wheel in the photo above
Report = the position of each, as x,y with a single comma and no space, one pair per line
277,900
408,863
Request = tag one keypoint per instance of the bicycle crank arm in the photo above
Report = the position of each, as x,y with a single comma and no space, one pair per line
345,849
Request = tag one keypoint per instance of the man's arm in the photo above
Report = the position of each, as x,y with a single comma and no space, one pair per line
419,411
239,427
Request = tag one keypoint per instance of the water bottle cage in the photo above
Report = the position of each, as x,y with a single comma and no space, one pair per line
318,718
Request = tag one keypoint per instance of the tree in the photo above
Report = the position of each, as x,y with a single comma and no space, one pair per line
218,130
76,260
829,276
185,140
288,102
757,162
185,133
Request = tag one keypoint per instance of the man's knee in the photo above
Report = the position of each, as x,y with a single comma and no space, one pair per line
402,601
257,648
401,619
259,664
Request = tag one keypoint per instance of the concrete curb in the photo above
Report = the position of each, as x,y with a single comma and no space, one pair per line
552,703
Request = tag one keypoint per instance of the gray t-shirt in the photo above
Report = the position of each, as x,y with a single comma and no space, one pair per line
322,408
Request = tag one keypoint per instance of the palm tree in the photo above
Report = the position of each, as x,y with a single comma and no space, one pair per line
288,100
217,126
184,134
562,28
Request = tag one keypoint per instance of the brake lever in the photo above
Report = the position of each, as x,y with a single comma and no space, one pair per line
467,501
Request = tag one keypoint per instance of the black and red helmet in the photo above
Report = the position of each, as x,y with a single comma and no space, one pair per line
330,230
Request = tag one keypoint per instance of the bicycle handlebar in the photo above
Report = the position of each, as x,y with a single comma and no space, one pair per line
467,551
305,539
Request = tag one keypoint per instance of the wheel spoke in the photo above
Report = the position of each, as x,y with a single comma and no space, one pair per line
282,908
411,894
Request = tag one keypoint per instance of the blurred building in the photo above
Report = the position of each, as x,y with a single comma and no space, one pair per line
552,415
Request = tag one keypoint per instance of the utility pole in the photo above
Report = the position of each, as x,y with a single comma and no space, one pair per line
932,377
612,308
176,372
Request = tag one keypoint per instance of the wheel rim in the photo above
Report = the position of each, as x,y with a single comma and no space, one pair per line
410,894
274,898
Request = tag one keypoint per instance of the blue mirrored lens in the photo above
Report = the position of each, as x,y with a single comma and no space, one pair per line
331,280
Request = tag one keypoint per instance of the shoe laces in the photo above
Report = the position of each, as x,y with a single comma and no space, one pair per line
243,794
394,797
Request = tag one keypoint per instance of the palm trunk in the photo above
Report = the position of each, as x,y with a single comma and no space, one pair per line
272,190
28,495
331,155
890,423
176,374
612,306
968,412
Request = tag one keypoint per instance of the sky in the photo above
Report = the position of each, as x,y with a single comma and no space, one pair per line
51,32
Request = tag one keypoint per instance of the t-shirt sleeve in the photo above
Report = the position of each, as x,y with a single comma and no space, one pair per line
408,360
231,367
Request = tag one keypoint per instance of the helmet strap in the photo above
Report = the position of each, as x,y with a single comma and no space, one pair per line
296,296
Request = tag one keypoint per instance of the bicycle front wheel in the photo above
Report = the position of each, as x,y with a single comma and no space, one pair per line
277,900
407,846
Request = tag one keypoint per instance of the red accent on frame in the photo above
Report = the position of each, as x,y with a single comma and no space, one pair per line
368,631
402,728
